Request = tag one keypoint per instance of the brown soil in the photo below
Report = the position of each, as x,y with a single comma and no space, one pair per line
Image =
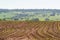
16,30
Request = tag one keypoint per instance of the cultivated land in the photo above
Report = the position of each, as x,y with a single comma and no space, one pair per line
23,30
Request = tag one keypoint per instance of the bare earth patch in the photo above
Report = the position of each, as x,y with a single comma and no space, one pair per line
17,30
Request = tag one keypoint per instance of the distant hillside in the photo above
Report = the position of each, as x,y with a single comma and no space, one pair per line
30,14
29,10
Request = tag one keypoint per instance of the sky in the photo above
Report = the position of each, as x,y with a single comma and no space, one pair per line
29,4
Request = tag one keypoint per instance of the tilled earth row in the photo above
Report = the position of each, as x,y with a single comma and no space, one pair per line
44,30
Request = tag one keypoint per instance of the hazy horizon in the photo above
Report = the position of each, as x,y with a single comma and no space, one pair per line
29,4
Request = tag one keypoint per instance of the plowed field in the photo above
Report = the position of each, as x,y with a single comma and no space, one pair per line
16,30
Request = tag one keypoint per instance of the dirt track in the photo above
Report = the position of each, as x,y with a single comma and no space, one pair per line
29,30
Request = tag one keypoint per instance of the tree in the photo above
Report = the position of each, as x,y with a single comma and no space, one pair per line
4,19
35,19
53,14
16,19
0,19
46,19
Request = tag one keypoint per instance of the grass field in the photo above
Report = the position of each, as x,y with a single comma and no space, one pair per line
29,30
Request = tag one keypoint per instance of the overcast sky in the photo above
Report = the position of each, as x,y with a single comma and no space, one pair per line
30,4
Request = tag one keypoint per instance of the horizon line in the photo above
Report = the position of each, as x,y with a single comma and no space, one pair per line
29,8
